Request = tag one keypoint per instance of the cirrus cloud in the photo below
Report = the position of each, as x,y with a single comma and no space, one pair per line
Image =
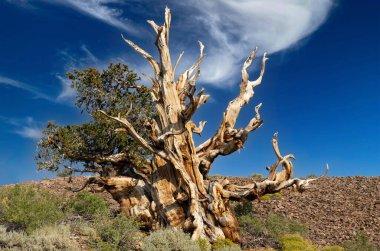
234,27
230,29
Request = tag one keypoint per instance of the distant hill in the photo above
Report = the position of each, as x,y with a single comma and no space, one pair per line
333,212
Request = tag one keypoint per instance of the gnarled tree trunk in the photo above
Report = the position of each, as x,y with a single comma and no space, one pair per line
173,188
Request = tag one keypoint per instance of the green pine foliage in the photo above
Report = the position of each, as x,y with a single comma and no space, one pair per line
80,148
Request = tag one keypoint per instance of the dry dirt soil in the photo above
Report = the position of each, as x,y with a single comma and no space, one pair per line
334,211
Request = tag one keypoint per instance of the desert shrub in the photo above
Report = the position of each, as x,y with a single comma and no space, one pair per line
88,204
278,225
294,242
311,176
215,177
255,233
257,175
360,241
271,196
26,207
243,208
103,246
83,228
118,233
332,248
46,238
225,245
252,224
266,197
204,245
266,232
169,239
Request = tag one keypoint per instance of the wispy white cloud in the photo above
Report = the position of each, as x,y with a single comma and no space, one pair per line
66,95
21,3
30,132
101,10
85,59
98,9
235,27
26,127
230,29
67,92
24,86
89,56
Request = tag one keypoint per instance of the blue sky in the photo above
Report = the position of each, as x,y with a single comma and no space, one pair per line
321,89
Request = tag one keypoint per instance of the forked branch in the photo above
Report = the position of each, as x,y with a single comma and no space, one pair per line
186,83
287,166
195,129
275,182
145,54
233,109
132,132
246,89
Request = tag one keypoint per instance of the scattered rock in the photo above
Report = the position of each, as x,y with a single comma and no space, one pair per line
334,212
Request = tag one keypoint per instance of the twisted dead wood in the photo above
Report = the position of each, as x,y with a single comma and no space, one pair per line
175,191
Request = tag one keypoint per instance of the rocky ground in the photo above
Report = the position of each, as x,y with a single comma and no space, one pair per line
333,212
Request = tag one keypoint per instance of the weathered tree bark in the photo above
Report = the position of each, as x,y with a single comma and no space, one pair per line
173,188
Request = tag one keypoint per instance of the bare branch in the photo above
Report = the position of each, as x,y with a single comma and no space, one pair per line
169,133
168,18
129,111
177,62
195,129
194,104
326,171
183,79
131,130
322,176
89,181
257,189
154,91
145,54
228,141
114,158
255,123
287,166
233,109
154,25
196,65
246,89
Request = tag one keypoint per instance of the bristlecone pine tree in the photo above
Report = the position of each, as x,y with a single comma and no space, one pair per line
141,143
